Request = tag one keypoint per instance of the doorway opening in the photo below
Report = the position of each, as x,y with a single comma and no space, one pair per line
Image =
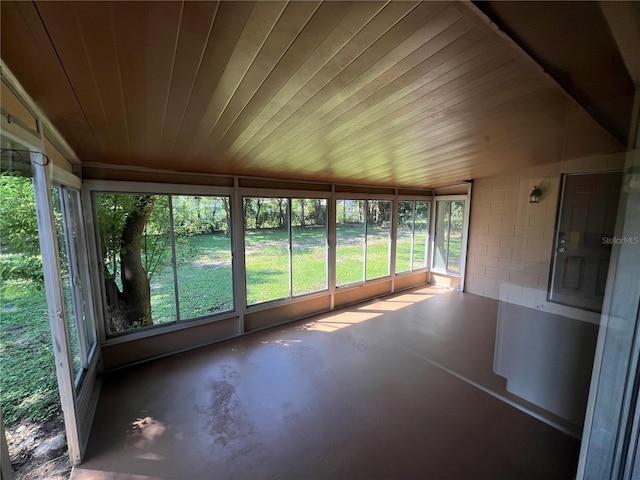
29,394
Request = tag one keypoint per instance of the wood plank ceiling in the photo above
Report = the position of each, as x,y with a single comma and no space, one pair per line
404,94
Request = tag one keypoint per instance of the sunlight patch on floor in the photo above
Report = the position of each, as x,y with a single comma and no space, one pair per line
144,433
341,320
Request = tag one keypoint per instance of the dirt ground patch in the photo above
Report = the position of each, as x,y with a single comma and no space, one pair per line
39,450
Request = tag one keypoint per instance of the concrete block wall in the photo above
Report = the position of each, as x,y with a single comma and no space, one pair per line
511,241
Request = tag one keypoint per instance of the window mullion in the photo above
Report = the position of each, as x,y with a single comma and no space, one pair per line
174,258
446,265
290,247
366,239
413,236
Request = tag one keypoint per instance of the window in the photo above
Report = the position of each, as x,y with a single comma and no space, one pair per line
378,238
308,245
285,247
350,241
362,240
448,235
266,249
203,254
412,235
165,258
66,211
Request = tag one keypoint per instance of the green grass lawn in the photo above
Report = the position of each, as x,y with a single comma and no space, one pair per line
28,384
204,273
205,276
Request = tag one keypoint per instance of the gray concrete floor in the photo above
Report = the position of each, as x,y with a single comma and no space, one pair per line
400,388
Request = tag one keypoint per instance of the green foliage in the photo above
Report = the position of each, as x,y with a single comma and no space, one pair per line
20,257
199,215
28,386
350,211
112,212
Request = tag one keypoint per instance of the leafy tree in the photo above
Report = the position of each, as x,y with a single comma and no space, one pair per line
133,239
19,244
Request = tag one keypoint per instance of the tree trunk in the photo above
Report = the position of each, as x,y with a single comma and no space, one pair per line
258,207
227,214
136,290
281,214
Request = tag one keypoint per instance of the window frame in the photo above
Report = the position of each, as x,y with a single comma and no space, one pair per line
237,193
285,195
81,258
392,236
429,234
464,241
91,188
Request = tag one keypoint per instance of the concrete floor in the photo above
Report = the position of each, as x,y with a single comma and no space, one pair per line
395,389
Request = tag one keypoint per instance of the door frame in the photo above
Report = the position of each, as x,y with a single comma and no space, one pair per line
556,235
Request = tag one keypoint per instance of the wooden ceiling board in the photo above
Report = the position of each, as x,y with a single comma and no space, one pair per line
365,64
162,30
415,94
229,24
391,99
460,117
316,81
129,21
488,126
196,24
407,108
353,93
542,123
387,128
448,152
309,39
97,38
260,22
25,29
66,34
288,27
342,34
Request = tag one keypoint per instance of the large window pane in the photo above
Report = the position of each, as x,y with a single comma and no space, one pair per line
449,230
443,212
412,235
350,235
203,255
136,256
455,236
66,276
266,224
378,238
421,235
309,245
404,236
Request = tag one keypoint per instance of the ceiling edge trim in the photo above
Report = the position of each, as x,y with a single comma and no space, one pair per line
47,128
